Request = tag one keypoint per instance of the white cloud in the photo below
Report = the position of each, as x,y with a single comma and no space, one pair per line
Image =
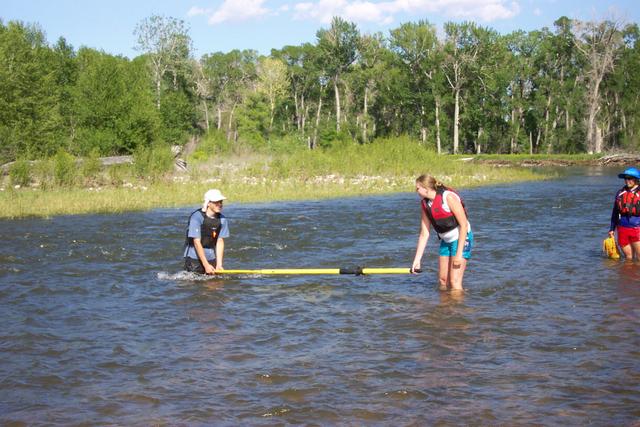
481,10
356,11
537,11
235,10
197,11
322,10
367,11
384,12
363,11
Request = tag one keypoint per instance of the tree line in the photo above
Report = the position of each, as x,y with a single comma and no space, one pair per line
570,89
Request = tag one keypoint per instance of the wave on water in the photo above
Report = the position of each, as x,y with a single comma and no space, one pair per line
246,248
186,276
182,276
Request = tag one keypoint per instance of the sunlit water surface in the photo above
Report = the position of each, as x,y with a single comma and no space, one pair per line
101,327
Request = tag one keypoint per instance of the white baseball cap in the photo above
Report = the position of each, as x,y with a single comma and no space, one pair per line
213,195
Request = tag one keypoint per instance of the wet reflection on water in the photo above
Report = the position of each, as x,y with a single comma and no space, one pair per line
101,325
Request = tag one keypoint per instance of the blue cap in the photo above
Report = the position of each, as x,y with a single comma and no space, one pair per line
630,172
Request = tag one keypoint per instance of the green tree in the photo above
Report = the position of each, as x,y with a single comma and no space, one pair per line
231,75
625,92
461,52
30,121
549,67
166,43
523,47
484,122
273,83
419,51
302,77
215,80
370,66
566,105
113,105
65,68
338,46
600,43
252,121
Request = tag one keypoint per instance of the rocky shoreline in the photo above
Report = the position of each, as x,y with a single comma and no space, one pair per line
608,160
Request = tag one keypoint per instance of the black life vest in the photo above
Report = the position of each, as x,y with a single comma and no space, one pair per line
441,220
629,201
209,231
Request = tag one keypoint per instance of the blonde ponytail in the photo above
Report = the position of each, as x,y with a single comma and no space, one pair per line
428,181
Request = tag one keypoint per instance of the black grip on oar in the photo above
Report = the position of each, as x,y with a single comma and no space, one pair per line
356,270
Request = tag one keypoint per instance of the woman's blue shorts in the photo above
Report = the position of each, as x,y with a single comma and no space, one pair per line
450,249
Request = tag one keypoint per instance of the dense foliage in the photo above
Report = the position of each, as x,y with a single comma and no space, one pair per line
570,89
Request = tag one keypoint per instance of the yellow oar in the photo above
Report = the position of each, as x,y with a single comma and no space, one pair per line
357,271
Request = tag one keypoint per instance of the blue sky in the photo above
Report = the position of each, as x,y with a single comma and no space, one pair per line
223,25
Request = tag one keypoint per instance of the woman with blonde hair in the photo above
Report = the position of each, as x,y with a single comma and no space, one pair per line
444,211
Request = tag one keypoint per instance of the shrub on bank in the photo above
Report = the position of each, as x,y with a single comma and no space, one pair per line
91,168
64,169
287,144
213,143
399,156
153,162
43,173
19,173
117,174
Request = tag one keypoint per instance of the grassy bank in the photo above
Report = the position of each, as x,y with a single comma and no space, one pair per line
533,159
378,168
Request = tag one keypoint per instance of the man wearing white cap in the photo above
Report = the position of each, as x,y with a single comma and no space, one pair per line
204,245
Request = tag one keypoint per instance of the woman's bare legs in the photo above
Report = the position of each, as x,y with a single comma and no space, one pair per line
631,250
449,277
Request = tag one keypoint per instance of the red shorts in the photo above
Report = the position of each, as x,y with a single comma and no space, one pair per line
628,235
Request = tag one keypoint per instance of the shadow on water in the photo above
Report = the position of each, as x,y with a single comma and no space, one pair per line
101,324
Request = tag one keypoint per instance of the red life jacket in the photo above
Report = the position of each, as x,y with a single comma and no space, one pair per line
441,220
629,201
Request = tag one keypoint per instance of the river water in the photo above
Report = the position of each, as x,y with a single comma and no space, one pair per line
101,327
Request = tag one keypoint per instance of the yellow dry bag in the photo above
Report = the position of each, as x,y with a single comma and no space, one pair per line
610,248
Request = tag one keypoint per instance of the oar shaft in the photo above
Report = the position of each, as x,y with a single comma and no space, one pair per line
310,271
285,271
386,271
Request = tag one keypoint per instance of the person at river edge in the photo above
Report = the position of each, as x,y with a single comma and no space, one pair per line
625,216
444,211
207,229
